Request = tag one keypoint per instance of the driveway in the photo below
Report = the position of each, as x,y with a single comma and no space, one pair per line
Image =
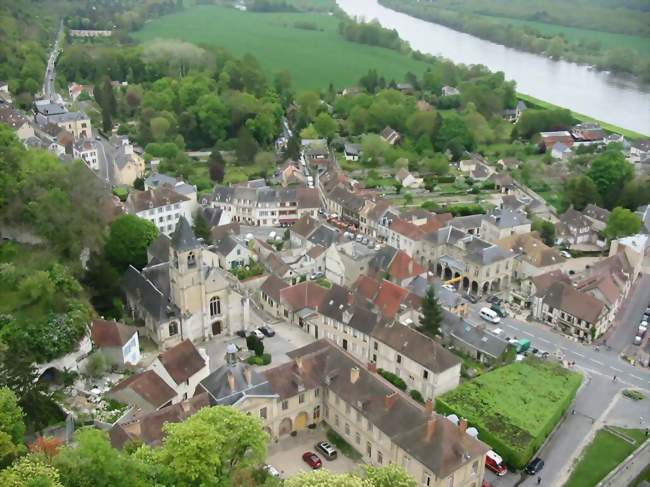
286,454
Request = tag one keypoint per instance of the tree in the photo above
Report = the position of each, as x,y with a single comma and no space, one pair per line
308,103
48,446
92,461
37,287
96,365
255,344
621,223
12,427
128,239
609,172
138,183
246,147
201,227
309,132
30,471
211,446
546,231
388,476
431,313
325,125
580,191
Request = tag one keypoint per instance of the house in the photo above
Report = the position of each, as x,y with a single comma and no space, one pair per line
87,152
18,122
549,139
588,133
406,88
343,202
352,152
500,224
391,136
117,342
533,257
417,359
324,383
503,183
574,228
270,294
163,207
509,164
77,123
476,341
407,180
598,216
128,164
635,248
231,252
75,90
450,91
639,150
476,168
147,428
90,33
343,263
290,173
266,206
299,301
470,224
514,114
561,151
182,367
146,392
187,296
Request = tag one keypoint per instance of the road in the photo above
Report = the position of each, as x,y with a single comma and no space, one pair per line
105,159
623,334
50,70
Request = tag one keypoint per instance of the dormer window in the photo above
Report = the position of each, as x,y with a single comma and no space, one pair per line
191,260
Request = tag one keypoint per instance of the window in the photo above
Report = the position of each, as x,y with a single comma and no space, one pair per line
425,374
347,428
215,306
426,480
317,392
348,409
336,420
357,438
368,449
316,413
376,346
380,458
399,358
326,411
450,481
301,398
173,329
369,426
263,413
191,260
285,405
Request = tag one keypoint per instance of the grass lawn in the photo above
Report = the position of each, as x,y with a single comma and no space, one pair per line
314,57
602,455
514,407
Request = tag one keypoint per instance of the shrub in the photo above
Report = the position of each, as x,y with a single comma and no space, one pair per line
255,344
263,359
343,446
393,379
633,394
446,179
96,365
415,394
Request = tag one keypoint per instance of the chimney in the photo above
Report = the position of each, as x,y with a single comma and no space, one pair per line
299,363
354,375
462,426
372,367
231,381
390,399
431,427
248,374
410,266
428,406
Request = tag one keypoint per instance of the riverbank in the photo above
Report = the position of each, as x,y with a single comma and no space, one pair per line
628,134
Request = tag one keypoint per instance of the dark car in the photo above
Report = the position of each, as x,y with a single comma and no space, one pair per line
471,298
494,299
311,459
267,330
498,310
241,333
535,466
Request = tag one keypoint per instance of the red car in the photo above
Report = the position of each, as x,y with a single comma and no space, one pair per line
312,460
486,484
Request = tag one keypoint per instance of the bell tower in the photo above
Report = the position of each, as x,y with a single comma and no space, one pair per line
185,276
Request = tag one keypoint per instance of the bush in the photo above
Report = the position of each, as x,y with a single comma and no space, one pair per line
263,359
633,394
446,179
96,365
393,379
343,446
255,344
415,394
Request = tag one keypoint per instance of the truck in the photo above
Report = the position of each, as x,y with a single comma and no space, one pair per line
522,345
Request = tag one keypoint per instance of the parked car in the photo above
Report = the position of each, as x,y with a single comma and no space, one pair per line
494,462
258,334
327,450
535,466
241,333
488,315
492,299
267,330
565,254
272,471
498,310
311,459
471,298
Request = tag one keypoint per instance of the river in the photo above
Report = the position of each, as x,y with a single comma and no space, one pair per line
596,94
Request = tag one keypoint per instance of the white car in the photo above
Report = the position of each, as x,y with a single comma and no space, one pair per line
258,334
272,471
565,254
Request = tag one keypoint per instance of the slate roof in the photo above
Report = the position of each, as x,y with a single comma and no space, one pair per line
159,248
246,380
182,361
404,421
147,390
260,196
476,337
153,198
183,238
142,290
304,226
225,245
581,305
272,287
324,236
110,333
507,218
148,428
382,259
416,346
597,213
339,304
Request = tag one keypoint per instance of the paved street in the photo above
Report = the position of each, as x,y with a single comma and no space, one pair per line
105,158
623,334
50,70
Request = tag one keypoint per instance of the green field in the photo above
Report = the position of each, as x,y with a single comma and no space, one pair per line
314,57
514,407
602,455
607,40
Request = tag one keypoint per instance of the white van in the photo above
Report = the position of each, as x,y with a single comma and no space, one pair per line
488,315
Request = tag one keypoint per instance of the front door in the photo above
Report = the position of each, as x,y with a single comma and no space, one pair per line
316,331
216,328
345,344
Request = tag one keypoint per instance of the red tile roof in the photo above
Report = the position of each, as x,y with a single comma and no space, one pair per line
182,361
403,267
366,286
306,294
389,298
110,333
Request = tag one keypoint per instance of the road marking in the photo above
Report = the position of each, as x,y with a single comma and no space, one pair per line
544,340
578,354
565,349
514,327
526,333
596,361
615,369
636,377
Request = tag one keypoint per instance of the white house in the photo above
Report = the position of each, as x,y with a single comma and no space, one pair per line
162,206
87,152
231,252
560,151
117,342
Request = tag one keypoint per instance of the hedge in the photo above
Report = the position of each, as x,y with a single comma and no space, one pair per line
446,179
415,394
396,380
259,359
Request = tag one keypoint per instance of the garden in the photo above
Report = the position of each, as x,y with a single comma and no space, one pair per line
514,407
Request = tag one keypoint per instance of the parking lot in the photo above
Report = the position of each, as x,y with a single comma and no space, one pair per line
286,454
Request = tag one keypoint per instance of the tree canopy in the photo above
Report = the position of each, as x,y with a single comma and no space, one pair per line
621,223
128,239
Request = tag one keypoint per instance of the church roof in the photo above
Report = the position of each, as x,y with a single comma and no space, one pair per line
183,237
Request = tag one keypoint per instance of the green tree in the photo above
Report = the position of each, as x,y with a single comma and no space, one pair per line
621,223
30,471
246,147
609,172
201,227
388,476
37,287
580,191
325,125
128,239
12,426
211,446
309,132
546,231
92,461
431,313
308,103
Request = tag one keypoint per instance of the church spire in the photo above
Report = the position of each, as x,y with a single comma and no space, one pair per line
183,238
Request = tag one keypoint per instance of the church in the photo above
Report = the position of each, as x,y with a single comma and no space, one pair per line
183,294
